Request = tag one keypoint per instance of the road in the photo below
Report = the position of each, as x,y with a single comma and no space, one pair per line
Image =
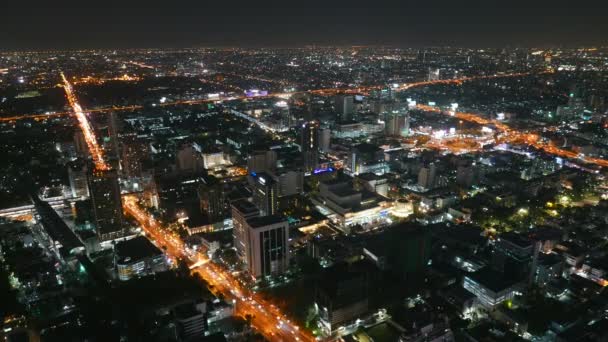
327,92
512,136
89,134
265,316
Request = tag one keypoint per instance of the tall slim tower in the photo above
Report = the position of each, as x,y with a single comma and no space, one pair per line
265,193
310,145
107,203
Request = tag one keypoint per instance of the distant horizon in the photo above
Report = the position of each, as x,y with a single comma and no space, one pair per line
466,23
295,47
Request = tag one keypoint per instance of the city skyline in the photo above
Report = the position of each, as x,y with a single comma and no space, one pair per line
406,24
312,193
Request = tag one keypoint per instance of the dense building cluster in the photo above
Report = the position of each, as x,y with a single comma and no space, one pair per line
355,194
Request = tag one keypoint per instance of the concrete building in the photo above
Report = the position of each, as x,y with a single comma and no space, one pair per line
242,210
490,287
107,204
262,161
341,296
289,182
266,244
265,193
427,177
310,145
325,139
138,257
345,107
397,123
77,174
211,196
366,158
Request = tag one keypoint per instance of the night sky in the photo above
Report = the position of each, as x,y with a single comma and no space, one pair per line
175,23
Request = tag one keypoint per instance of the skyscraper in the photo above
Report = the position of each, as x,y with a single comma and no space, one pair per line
211,196
345,107
434,74
132,153
310,145
397,124
242,210
427,176
77,174
107,204
265,193
325,139
267,245
262,161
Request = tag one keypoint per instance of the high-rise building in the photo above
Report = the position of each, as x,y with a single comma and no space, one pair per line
366,158
189,158
267,245
427,176
310,145
325,139
434,74
77,174
397,124
107,204
262,161
132,153
242,210
211,196
265,193
345,107
342,295
290,182
80,145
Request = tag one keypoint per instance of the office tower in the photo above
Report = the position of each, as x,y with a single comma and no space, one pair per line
242,210
211,196
114,127
132,153
310,145
267,245
342,296
107,204
366,158
188,158
434,74
262,161
265,193
289,182
467,175
325,139
80,145
345,107
77,174
397,124
427,176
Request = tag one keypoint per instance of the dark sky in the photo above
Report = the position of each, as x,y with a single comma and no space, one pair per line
177,23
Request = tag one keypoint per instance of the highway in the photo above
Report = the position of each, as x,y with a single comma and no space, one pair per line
87,130
511,136
265,317
327,92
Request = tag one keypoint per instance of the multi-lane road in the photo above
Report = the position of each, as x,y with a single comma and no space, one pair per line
265,316
89,133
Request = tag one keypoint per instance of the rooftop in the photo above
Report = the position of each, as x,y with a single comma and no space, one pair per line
492,279
262,221
245,207
519,240
136,249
